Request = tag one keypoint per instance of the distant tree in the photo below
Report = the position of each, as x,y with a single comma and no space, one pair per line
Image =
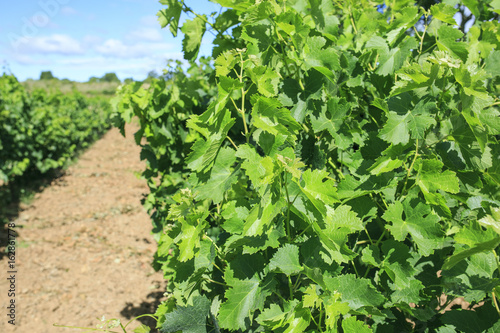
94,79
110,77
128,80
153,74
46,75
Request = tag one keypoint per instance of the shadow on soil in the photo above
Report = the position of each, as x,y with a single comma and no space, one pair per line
15,196
147,307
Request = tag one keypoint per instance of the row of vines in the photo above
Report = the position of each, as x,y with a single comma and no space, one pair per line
42,131
335,168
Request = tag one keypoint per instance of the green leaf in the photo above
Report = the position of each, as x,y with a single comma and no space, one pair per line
469,147
444,12
391,60
259,169
205,257
311,297
472,84
142,329
266,80
215,129
334,307
330,118
478,248
316,57
371,256
492,63
234,214
410,294
241,303
419,222
225,62
189,319
341,222
268,115
272,316
479,130
431,177
357,292
492,221
317,186
221,177
262,215
479,321
243,299
193,33
269,143
447,41
235,4
189,240
384,164
399,128
351,324
170,16
286,260
397,264
298,321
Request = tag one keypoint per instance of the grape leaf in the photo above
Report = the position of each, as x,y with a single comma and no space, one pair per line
399,128
341,222
431,177
351,324
221,177
397,264
419,222
193,33
189,319
317,188
170,16
470,149
267,115
478,248
243,299
357,292
205,151
259,169
447,41
262,214
444,12
286,260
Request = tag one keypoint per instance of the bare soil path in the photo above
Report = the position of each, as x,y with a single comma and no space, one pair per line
84,246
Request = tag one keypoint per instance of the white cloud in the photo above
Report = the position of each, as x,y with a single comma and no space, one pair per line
145,34
116,48
53,44
24,59
84,61
89,41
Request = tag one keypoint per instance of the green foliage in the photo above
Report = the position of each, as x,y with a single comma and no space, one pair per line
337,171
42,131
191,319
109,77
47,75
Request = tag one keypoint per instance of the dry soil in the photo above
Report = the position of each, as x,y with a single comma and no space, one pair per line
84,247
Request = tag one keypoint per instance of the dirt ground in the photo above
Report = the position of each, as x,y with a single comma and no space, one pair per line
84,248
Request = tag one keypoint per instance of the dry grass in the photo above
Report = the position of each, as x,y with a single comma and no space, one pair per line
88,89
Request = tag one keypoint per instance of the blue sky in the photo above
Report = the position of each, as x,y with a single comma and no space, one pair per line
76,39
